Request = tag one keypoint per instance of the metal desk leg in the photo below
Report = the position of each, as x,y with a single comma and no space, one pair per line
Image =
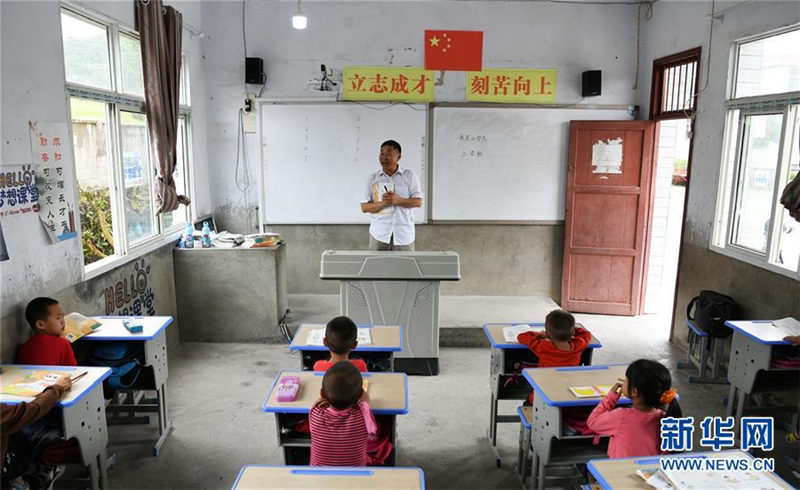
729,408
740,404
540,476
534,471
523,454
703,357
164,422
492,431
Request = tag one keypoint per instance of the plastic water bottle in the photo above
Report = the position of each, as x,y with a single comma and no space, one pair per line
188,236
206,239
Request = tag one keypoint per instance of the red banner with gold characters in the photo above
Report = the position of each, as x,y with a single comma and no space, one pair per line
378,83
512,85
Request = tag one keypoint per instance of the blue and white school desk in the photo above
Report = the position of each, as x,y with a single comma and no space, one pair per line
502,375
258,477
155,356
702,349
754,345
83,412
388,394
614,474
552,393
386,340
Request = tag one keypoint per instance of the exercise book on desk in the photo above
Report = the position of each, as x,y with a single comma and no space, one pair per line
596,391
670,479
316,336
510,333
788,325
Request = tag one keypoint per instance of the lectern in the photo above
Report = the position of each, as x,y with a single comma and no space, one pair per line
395,288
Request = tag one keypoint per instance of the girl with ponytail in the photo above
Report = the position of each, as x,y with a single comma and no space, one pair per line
635,431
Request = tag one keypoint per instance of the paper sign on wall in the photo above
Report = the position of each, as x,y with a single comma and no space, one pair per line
50,150
607,157
18,194
378,83
512,85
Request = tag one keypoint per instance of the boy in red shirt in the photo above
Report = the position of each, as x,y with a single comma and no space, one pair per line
340,338
561,344
47,347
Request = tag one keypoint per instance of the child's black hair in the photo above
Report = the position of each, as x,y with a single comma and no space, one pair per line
341,333
394,144
38,309
560,325
651,380
341,385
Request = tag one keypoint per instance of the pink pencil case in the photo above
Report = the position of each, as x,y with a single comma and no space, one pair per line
287,388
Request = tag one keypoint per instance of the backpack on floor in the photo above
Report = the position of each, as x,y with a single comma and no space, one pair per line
124,359
711,311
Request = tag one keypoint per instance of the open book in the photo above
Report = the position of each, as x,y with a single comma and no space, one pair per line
79,326
316,336
33,383
687,480
788,325
510,333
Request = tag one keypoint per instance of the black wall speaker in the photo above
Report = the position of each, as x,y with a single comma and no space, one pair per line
590,83
254,70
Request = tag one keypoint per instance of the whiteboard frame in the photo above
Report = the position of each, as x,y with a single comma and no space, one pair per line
328,100
490,105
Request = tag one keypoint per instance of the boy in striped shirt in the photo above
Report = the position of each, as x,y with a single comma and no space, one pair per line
341,420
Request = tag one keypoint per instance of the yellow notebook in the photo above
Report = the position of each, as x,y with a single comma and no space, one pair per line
79,326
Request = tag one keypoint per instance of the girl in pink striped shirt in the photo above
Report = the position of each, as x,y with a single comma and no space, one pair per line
341,420
636,431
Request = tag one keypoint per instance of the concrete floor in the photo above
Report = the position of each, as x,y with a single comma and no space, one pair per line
216,391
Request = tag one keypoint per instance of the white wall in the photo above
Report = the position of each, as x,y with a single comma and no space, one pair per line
33,88
568,38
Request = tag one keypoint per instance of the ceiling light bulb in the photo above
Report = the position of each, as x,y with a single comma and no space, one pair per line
299,21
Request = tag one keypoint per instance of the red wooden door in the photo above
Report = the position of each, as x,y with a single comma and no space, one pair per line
605,234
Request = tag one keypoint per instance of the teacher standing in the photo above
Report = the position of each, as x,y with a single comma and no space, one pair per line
389,196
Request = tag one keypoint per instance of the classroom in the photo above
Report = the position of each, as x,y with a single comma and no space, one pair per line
204,204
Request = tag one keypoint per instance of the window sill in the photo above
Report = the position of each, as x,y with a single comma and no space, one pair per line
735,254
91,271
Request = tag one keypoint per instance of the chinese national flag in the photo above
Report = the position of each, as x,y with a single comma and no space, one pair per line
454,50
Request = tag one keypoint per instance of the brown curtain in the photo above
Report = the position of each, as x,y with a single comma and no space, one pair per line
790,198
160,36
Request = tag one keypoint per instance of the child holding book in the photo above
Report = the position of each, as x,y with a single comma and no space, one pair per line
341,420
340,339
636,431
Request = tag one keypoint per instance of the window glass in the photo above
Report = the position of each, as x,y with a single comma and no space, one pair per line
769,66
137,177
758,164
86,55
131,61
90,141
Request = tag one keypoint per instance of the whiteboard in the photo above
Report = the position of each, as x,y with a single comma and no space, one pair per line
503,163
316,157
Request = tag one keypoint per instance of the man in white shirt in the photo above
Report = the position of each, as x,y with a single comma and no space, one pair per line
390,196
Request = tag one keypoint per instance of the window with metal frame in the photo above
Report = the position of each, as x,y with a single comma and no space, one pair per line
114,168
761,153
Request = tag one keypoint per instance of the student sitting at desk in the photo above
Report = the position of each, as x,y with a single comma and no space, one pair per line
340,338
561,343
47,347
341,420
15,455
636,431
